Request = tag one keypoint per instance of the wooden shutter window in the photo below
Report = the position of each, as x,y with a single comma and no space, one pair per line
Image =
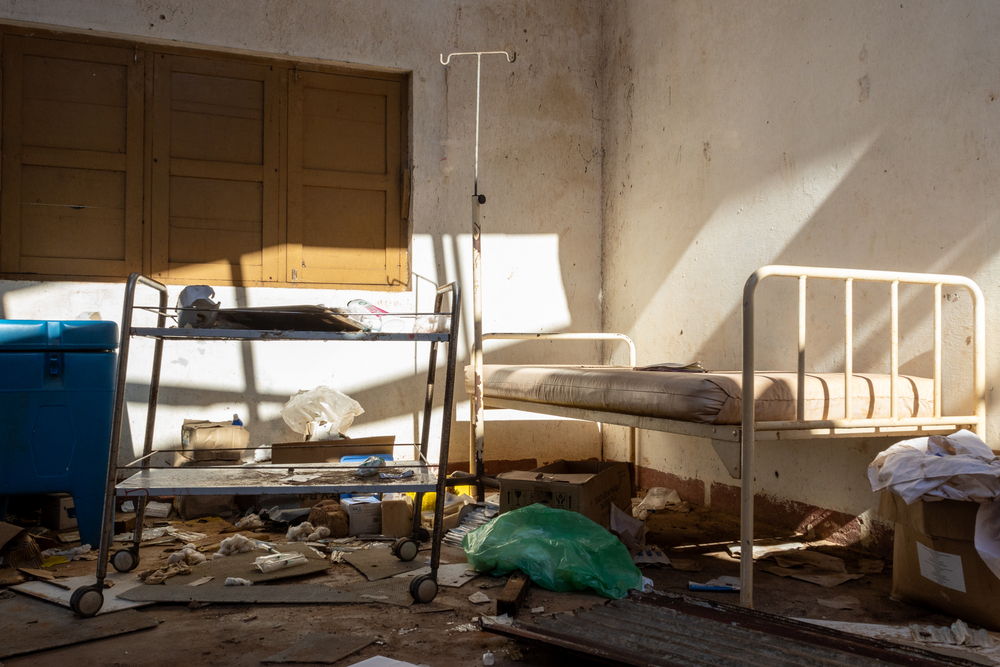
344,170
214,168
72,151
196,166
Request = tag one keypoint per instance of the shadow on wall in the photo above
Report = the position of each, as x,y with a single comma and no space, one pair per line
907,143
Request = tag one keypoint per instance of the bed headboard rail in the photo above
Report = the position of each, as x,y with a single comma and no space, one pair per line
803,274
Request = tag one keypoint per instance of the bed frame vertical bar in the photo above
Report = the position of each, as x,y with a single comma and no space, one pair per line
800,398
848,345
937,349
747,435
893,346
979,363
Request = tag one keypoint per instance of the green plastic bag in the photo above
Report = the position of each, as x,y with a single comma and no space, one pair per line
558,549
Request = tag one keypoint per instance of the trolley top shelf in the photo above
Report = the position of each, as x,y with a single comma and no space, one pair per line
274,479
177,333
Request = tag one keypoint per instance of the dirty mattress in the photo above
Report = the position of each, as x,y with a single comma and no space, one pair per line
705,398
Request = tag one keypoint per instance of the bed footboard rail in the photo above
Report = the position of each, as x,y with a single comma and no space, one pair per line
803,274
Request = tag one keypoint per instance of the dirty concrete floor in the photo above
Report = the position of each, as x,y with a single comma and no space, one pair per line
246,634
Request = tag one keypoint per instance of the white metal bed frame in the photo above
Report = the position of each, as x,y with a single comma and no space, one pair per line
735,443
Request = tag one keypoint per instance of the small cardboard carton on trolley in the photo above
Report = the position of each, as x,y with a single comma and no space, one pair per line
211,441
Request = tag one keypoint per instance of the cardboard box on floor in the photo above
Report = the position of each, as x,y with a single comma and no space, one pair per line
364,515
587,487
330,451
935,562
58,511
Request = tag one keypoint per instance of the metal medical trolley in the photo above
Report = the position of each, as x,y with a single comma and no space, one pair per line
418,476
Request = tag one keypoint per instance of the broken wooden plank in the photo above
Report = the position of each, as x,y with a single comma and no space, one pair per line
512,596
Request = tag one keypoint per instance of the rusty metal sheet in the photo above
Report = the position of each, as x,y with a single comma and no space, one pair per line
677,630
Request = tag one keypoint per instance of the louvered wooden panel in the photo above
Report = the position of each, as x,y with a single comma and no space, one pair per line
72,148
344,197
215,170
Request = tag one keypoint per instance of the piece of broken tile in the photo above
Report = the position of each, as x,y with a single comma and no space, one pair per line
479,598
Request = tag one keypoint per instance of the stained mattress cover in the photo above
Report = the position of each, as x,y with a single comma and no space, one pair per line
706,398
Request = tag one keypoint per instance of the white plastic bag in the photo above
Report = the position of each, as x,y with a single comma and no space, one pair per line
331,411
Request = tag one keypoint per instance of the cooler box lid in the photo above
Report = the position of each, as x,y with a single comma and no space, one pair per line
48,335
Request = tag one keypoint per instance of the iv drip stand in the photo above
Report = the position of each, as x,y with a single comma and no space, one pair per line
477,425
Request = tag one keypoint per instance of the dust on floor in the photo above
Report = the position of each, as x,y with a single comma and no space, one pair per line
247,634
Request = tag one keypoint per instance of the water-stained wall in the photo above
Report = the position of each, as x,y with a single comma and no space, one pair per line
852,134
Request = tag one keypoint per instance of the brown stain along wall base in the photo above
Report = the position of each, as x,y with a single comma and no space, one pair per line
838,527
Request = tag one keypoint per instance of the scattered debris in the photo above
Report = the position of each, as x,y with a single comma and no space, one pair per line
717,585
488,659
406,631
201,581
465,627
479,598
189,555
651,555
158,510
250,522
958,633
159,575
81,552
659,498
537,610
237,581
236,544
301,532
472,516
631,531
272,562
762,550
811,566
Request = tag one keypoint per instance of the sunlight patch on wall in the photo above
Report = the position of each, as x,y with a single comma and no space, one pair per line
749,228
523,282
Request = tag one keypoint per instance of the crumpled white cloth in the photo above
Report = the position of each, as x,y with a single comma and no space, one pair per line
955,467
959,466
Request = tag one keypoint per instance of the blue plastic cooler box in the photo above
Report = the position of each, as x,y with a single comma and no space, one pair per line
57,383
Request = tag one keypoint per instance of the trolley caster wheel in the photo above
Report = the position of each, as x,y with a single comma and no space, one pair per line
86,601
405,549
424,588
124,560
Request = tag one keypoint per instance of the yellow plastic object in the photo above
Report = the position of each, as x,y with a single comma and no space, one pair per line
428,503
52,561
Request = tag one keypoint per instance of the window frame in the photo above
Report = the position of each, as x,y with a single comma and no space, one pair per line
142,217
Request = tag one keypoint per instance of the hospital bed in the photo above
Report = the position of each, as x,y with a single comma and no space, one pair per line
735,410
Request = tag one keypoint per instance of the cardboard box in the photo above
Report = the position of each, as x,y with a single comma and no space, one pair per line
935,562
211,441
587,487
364,515
397,515
330,451
58,512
